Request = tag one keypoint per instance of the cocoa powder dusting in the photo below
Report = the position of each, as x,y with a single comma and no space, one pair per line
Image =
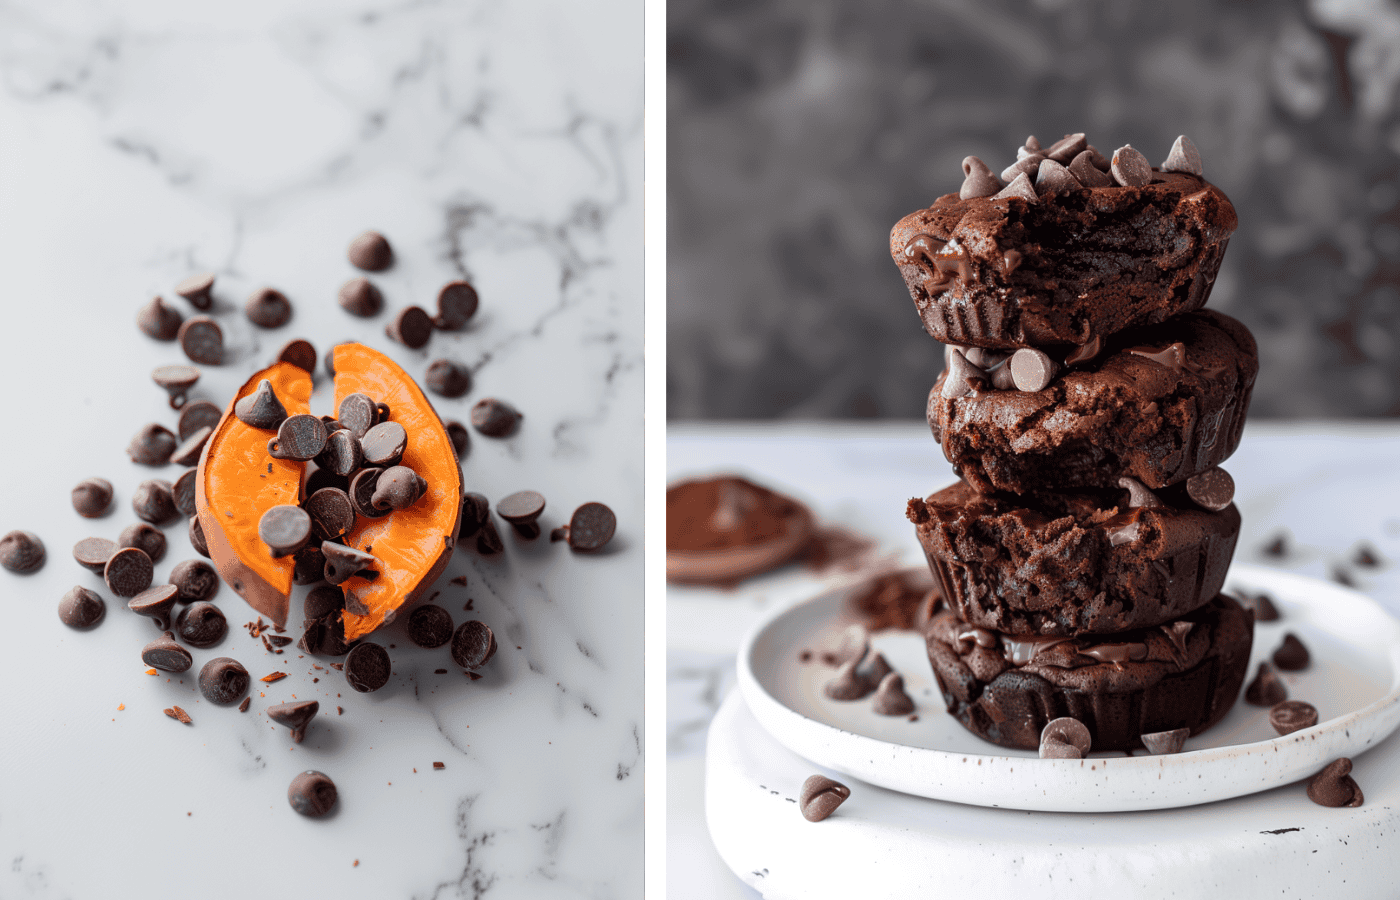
720,513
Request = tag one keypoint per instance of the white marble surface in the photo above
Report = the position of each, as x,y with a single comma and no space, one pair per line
1329,485
501,142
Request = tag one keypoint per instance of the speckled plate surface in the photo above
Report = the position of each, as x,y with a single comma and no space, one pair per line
1353,680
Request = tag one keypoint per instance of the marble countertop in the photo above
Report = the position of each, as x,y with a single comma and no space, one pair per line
1329,487
146,141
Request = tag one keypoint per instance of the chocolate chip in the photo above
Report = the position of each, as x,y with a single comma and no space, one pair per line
1292,656
1066,730
268,308
195,415
1031,370
155,603
459,436
381,412
144,537
359,298
300,353
1053,178
202,340
430,626
488,539
890,698
177,381
1267,689
165,654
1086,352
152,445
331,514
495,418
1183,157
457,303
1292,715
311,794
1161,742
857,678
1098,159
343,563
154,501
198,289
325,636
322,601
158,320
81,608
398,487
473,644
371,251
1341,576
1130,168
448,378
182,493
1367,556
963,378
1067,148
1139,495
223,680
367,667
362,490
128,572
342,455
261,409
194,580
188,452
357,413
559,533
196,536
1212,489
1026,165
295,715
591,527
1053,749
1086,173
1020,187
521,509
476,511
978,180
1333,786
301,437
820,797
1032,145
201,624
92,497
412,327
854,644
92,553
1263,607
384,444
285,529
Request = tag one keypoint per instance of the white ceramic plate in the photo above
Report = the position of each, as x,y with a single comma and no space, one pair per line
1353,680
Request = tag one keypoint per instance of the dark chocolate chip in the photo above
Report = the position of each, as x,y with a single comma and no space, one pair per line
521,509
1162,742
325,636
1020,187
1139,495
820,797
473,644
285,529
1183,157
301,437
195,415
1334,786
1267,689
398,487
890,698
362,488
1130,168
1292,656
202,340
343,563
223,680
311,794
183,493
459,436
177,381
261,409
561,533
591,527
154,501
196,536
342,455
448,378
1067,148
1341,576
295,715
412,327
152,445
495,418
308,565
159,320
457,303
165,654
359,297
1026,165
476,510
963,379
1367,556
1053,178
384,444
430,626
357,413
370,251
488,539
978,180
128,572
198,289
155,603
1212,489
1292,715
81,608
268,308
300,353
1263,607
195,580
331,514
92,497
1031,370
145,537
1086,173
857,678
324,478
201,624
187,454
322,601
367,667
381,412
92,553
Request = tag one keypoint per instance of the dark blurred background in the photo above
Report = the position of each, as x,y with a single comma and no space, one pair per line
800,131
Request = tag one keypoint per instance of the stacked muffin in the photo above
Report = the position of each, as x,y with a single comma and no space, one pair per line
1086,403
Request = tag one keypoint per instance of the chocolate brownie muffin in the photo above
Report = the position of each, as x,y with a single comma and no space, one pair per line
1183,674
1084,252
1073,563
1160,403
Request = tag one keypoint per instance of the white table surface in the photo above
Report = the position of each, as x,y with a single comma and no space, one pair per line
1331,486
144,141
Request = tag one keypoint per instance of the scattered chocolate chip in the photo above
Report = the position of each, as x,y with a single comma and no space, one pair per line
1053,749
154,501
1263,607
177,381
459,436
591,527
143,536
342,454
359,297
1130,168
312,794
473,644
1139,495
331,514
201,624
268,308
890,698
495,418
384,444
1212,489
978,180
488,539
521,509
285,529
367,667
325,636
194,580
182,493
1366,556
261,409
1333,786
198,289
1267,689
370,251
92,553
820,796
243,707
152,445
128,572
158,320
155,603
448,378
1277,547
81,608
398,487
322,601
1065,730
1341,576
300,353
854,644
1053,178
178,715
342,563
92,497
362,490
202,340
430,626
963,379
1183,157
412,327
295,715
301,437
357,413
857,677
195,415
1161,742
1027,164
1031,369
457,303
1292,715
561,533
1020,187
196,536
1292,656
1067,148
187,453
223,680
476,511
1086,173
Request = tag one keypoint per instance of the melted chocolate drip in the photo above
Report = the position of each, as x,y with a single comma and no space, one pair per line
942,266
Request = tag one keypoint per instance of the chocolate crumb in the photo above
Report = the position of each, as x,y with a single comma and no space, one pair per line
460,580
439,671
273,677
339,711
178,715
243,707
1366,556
1277,547
438,765
1340,576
